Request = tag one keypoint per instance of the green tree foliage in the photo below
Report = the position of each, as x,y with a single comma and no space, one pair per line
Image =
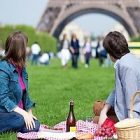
136,39
47,42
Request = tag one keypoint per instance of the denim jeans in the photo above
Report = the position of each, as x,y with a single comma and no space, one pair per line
75,60
87,58
15,122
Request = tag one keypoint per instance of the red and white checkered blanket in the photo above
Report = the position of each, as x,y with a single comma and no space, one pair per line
82,127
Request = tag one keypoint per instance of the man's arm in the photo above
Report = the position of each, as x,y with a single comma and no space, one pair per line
107,106
111,98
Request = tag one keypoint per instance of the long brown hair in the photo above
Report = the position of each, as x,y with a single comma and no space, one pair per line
116,44
15,48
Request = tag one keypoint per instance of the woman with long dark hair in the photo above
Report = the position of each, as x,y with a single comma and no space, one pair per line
15,104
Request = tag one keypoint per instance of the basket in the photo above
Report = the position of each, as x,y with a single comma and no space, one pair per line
129,129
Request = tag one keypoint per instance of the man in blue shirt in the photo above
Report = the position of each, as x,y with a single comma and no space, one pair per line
127,78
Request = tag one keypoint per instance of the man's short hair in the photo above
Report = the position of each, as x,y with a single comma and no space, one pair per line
116,44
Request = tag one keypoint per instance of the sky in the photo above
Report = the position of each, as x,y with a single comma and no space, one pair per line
22,11
99,23
29,12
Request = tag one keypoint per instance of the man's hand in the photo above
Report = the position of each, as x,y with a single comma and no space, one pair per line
102,117
103,114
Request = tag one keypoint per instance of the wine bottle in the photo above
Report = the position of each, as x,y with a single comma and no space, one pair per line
71,121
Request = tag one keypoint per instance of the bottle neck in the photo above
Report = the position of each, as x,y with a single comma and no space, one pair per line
71,108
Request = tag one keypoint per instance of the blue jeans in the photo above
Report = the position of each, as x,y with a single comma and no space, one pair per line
35,59
75,60
15,122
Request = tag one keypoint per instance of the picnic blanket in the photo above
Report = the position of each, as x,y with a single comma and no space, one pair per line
82,127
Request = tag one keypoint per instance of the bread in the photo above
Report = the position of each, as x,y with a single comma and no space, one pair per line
129,122
84,136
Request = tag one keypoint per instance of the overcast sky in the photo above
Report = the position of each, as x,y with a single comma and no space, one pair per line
98,23
29,12
21,11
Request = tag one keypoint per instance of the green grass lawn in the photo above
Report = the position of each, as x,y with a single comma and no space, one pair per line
52,87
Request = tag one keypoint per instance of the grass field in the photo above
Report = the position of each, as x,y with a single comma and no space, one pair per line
52,87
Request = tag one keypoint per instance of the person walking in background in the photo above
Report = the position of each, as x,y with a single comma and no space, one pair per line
87,52
96,49
127,78
15,104
44,58
65,53
35,49
28,53
74,48
101,52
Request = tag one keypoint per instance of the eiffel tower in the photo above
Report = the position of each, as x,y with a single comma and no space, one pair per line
60,12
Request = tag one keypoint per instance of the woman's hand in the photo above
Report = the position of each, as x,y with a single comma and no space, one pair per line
28,117
29,120
30,112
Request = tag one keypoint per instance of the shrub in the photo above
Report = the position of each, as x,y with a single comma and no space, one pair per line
47,42
136,39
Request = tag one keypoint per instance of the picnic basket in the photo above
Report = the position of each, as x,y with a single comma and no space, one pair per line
129,129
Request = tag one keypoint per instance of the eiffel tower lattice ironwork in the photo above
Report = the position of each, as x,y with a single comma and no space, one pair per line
60,12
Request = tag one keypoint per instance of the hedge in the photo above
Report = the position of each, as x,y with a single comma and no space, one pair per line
46,42
136,39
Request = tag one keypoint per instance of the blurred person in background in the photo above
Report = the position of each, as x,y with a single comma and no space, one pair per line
15,104
35,49
2,53
28,53
65,53
44,58
87,52
101,53
74,48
